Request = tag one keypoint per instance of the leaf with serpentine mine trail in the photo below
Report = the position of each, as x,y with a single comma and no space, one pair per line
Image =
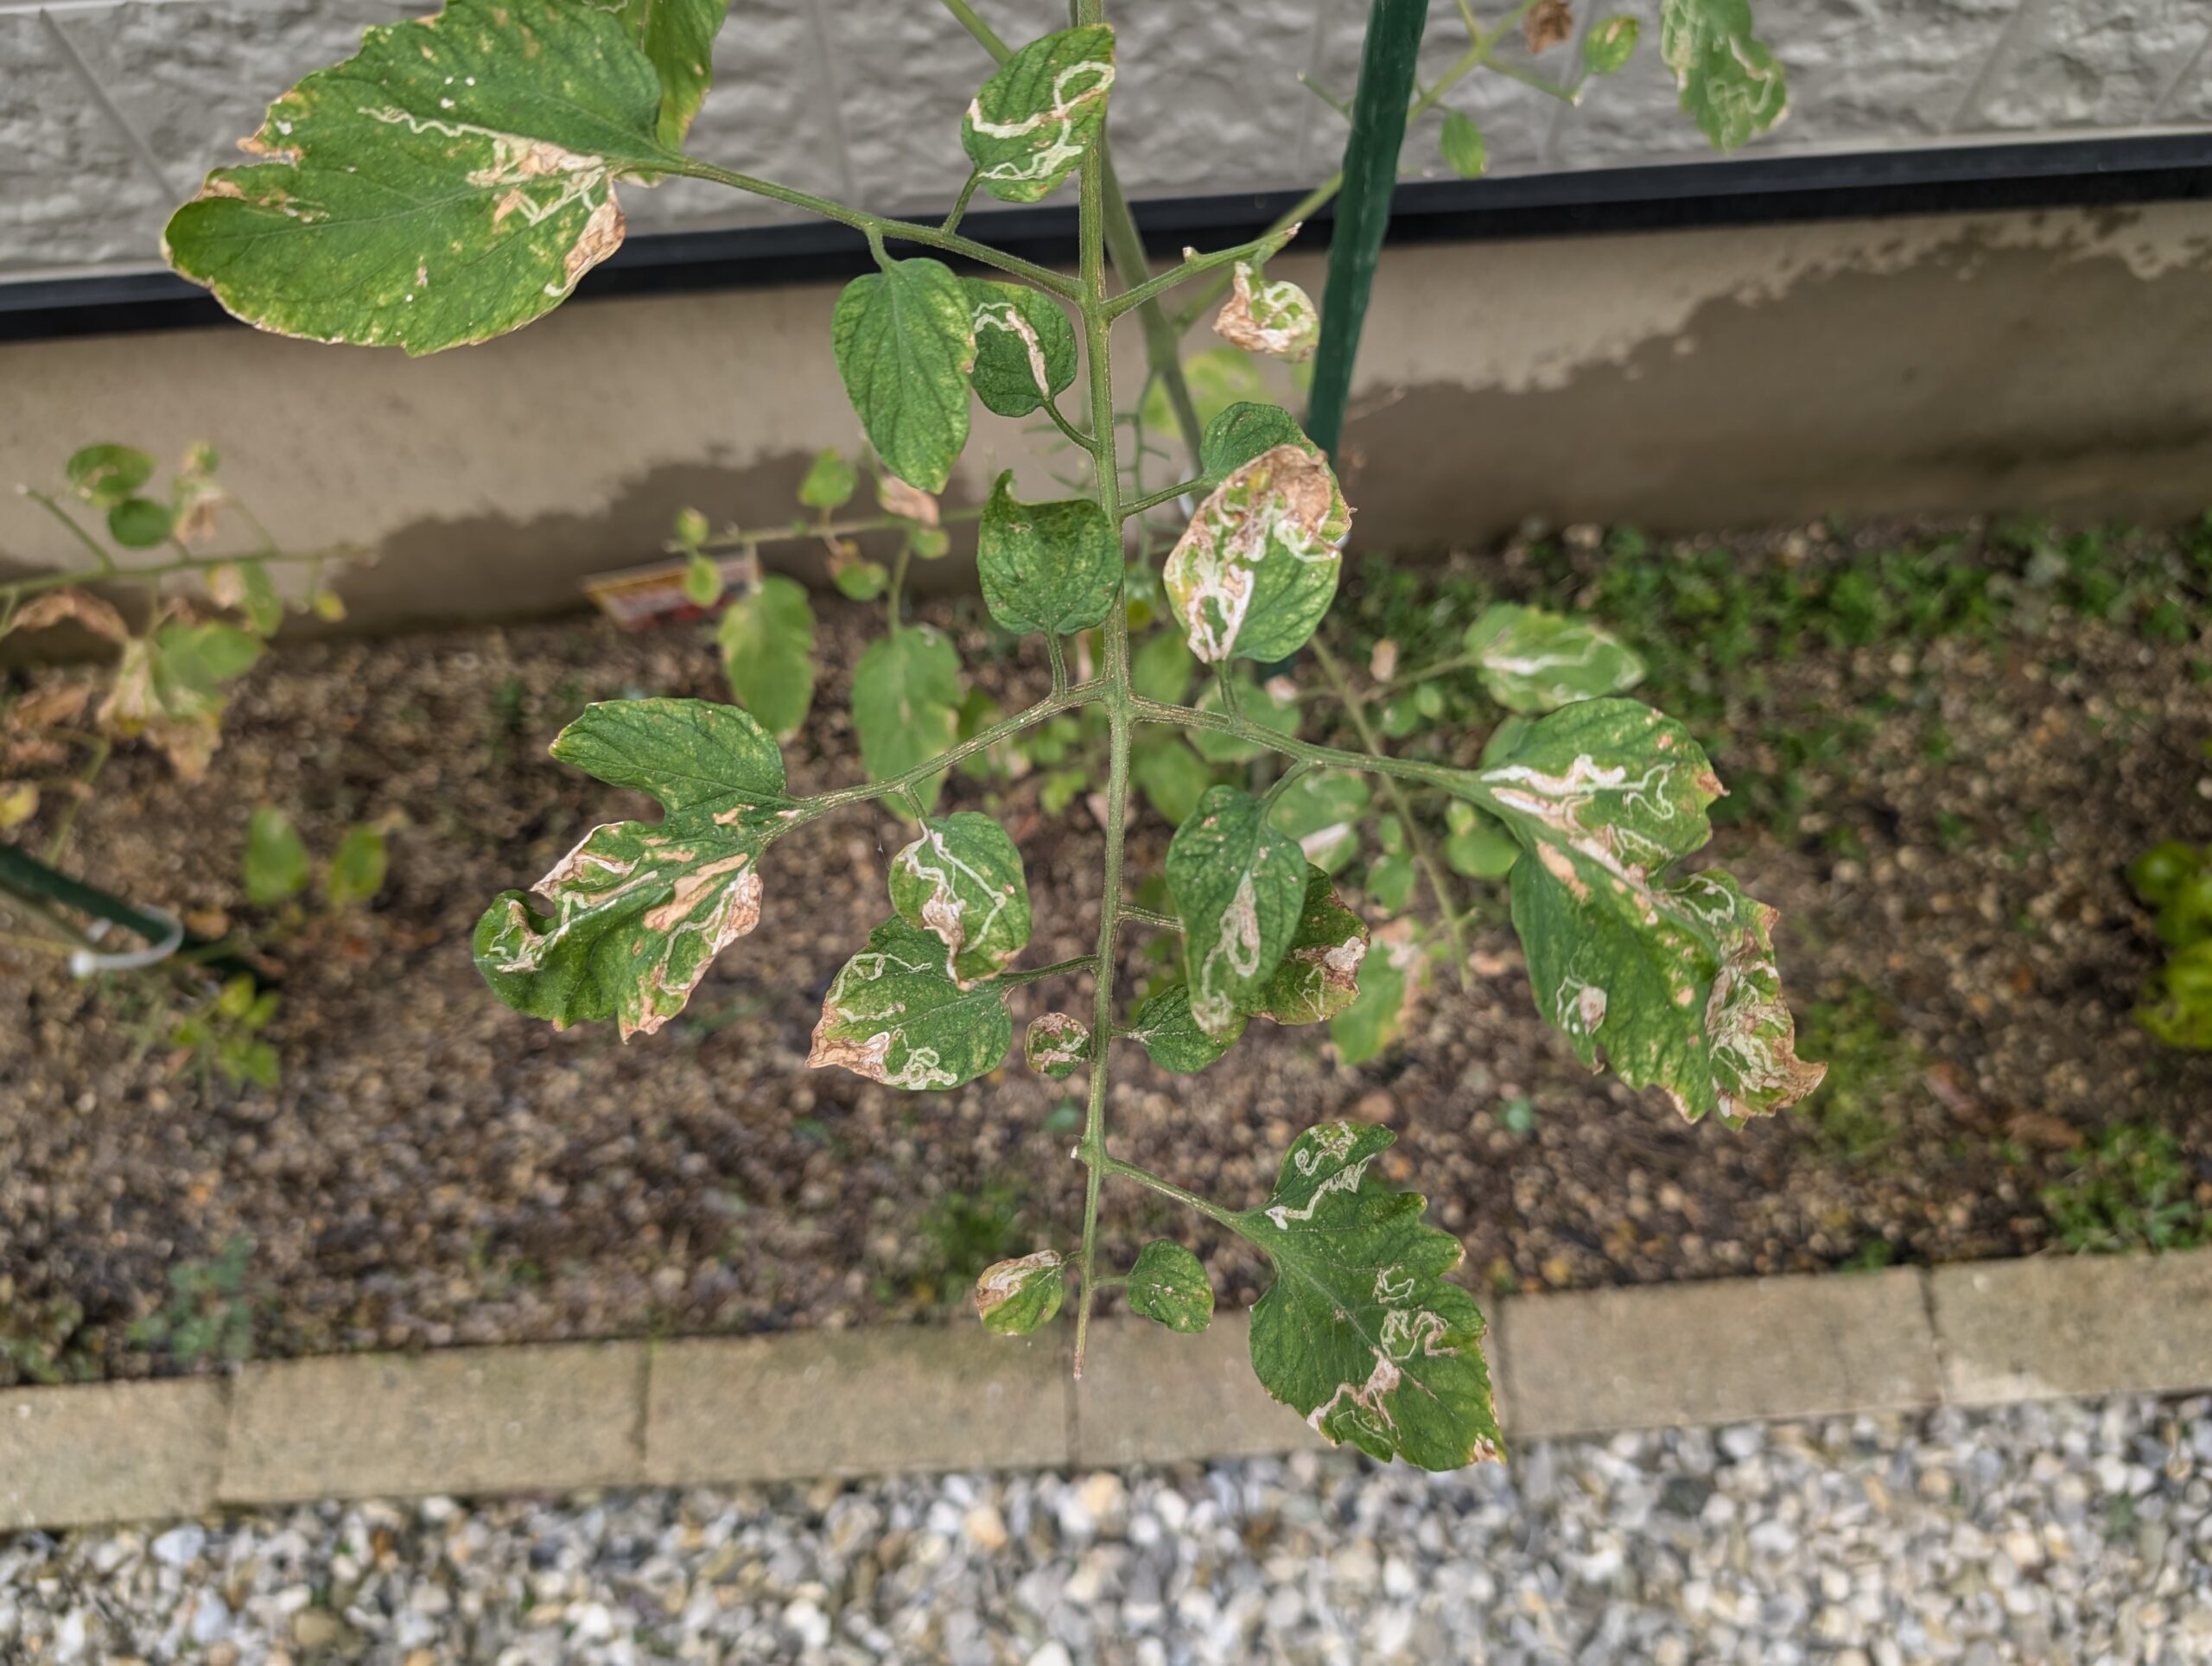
1729,82
679,37
905,340
1278,319
1055,1045
641,909
1532,661
1031,125
1361,1334
1024,346
962,883
449,182
893,1015
1048,567
1256,569
1013,1298
1320,974
1237,885
1171,1038
1168,1285
1674,980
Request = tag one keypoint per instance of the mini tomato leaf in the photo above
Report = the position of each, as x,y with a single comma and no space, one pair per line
641,909
247,586
449,182
703,581
1320,974
767,644
1611,43
1533,661
1171,777
1244,431
1361,1334
168,687
1464,148
1050,567
1278,319
276,867
905,341
1024,346
893,1015
104,475
1321,811
1388,978
1171,1038
1256,567
830,481
962,883
1031,123
1676,980
1237,885
1273,706
1014,1298
1168,1284
1055,1045
1730,83
678,36
140,523
357,868
906,704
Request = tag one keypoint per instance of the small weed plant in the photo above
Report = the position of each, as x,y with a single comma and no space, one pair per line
456,178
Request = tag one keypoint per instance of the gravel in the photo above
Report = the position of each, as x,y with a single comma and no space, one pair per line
2065,1530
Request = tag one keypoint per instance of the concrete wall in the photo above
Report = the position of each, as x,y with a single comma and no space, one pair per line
111,111
1677,379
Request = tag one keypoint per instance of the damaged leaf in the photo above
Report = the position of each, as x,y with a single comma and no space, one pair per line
767,638
1278,319
1171,1038
1055,1045
104,475
1551,23
962,883
1256,569
168,689
640,909
1730,83
1024,346
1049,567
905,340
1392,975
1611,43
1361,1333
72,607
1030,125
448,183
1320,974
1675,981
893,1015
1238,886
1533,661
1168,1285
1014,1298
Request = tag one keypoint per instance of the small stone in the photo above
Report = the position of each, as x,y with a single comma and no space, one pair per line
181,1546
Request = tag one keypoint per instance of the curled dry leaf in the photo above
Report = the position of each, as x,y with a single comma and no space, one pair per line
1549,25
1013,1298
72,607
1056,1045
56,701
908,502
1279,318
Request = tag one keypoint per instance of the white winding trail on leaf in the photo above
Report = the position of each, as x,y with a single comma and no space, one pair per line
922,1068
1211,572
1237,948
1005,315
943,913
1061,153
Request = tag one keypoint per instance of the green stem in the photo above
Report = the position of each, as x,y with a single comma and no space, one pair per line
1163,340
1058,968
16,589
1135,916
1264,247
1211,1210
878,228
739,538
960,205
1432,871
1461,783
984,33
1166,494
1083,694
1053,652
1075,437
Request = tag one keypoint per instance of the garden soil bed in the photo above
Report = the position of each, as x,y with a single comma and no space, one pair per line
434,1169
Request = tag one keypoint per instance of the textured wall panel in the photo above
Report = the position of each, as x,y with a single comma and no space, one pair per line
71,191
2089,63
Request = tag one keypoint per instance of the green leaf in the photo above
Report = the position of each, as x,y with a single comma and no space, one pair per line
104,475
830,481
1256,569
1246,430
1171,1038
893,1015
1168,1284
1238,886
1160,669
1031,125
1171,777
2177,1001
1049,567
860,581
1321,809
1278,318
140,523
1389,882
275,857
962,883
193,662
767,644
1387,979
1465,151
905,341
906,704
678,36
1676,980
641,909
703,581
1014,1298
1055,1045
1024,346
1255,702
1533,661
448,183
1484,851
1611,43
1320,974
1361,1334
357,868
1730,83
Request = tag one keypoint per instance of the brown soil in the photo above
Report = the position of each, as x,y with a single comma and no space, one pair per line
434,1169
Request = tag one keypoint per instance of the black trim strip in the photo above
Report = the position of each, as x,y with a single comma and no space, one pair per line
1951,179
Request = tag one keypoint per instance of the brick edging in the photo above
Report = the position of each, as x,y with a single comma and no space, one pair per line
558,1417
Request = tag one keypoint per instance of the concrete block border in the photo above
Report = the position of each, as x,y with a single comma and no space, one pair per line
556,1418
